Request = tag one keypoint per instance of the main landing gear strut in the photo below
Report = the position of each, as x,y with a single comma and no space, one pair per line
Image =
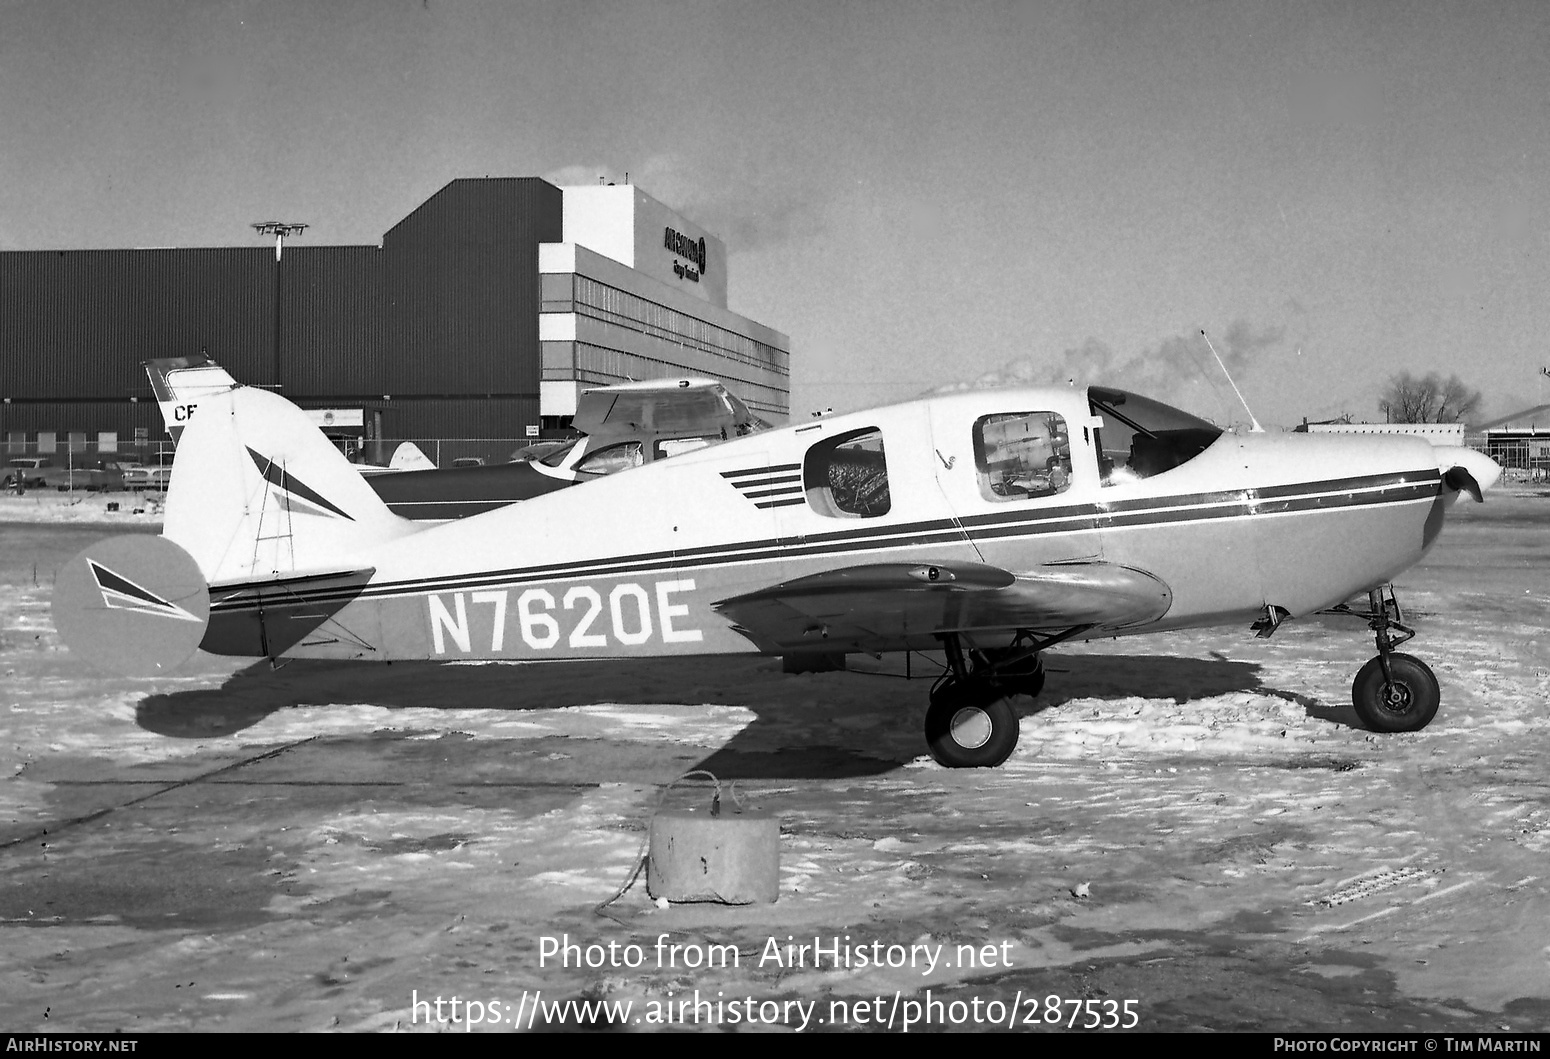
971,722
1393,692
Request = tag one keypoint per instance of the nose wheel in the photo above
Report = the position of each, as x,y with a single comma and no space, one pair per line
1393,692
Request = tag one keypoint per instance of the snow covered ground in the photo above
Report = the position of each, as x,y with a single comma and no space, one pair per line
1192,823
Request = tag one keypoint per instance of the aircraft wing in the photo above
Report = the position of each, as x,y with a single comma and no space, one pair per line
864,608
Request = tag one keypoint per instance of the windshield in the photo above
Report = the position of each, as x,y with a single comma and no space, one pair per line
1141,437
557,457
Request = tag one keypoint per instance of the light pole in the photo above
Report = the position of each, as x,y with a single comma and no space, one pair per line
279,229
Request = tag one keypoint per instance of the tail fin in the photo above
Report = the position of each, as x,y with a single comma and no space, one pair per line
180,382
258,493
408,457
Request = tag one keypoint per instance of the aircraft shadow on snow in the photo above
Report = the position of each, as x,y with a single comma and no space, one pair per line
824,725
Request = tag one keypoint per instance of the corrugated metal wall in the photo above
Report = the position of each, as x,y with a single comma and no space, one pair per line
331,321
62,417
446,310
462,287
77,323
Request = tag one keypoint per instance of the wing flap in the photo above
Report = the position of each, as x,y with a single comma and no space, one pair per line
885,606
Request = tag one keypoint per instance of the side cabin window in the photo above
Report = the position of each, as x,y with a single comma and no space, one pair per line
1020,455
666,447
847,476
1141,437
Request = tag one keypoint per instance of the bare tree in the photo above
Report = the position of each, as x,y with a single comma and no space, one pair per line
1428,399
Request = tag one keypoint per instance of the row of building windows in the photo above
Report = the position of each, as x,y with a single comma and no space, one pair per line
48,442
584,362
588,297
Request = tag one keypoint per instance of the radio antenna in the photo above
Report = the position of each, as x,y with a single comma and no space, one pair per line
1254,426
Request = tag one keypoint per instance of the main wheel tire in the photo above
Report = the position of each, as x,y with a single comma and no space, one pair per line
970,726
1406,704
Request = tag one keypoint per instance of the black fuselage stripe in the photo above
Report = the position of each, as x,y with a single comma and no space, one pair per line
789,481
936,532
779,468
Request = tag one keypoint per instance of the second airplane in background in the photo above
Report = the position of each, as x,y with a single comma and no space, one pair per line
623,426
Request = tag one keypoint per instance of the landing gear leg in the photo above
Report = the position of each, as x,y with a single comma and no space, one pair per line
1393,692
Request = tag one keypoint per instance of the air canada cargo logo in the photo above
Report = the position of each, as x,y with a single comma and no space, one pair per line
684,246
296,493
120,593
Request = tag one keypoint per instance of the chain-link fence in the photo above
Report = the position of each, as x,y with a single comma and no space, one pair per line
80,461
1522,460
443,452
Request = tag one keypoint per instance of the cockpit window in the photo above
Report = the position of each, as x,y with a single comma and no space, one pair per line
847,476
1019,455
613,459
666,447
1141,437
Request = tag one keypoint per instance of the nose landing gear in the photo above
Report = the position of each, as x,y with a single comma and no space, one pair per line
1393,692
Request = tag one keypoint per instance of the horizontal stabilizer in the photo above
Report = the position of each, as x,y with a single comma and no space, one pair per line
134,605
296,577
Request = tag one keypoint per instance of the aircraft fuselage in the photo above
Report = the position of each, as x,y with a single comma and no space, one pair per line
637,564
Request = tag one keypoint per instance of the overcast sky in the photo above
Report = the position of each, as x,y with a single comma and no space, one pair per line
918,194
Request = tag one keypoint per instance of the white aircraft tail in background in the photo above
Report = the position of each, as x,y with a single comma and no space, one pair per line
179,384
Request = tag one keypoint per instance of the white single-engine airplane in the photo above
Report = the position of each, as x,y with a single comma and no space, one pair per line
990,525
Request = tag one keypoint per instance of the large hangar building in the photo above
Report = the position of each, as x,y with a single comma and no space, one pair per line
483,314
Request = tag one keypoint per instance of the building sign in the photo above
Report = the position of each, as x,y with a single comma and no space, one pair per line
337,418
683,246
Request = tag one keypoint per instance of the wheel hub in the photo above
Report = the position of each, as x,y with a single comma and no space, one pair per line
971,727
1396,697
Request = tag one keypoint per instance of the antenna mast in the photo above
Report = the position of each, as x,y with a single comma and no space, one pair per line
1254,426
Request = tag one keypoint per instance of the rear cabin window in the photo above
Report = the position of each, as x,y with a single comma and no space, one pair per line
666,447
1141,437
847,476
1020,455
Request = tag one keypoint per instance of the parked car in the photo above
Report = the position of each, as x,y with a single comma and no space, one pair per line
140,476
136,474
43,472
468,461
103,475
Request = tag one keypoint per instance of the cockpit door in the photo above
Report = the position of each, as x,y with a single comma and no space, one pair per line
1019,479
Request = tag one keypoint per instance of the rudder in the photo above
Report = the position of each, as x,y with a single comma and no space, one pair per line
258,493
